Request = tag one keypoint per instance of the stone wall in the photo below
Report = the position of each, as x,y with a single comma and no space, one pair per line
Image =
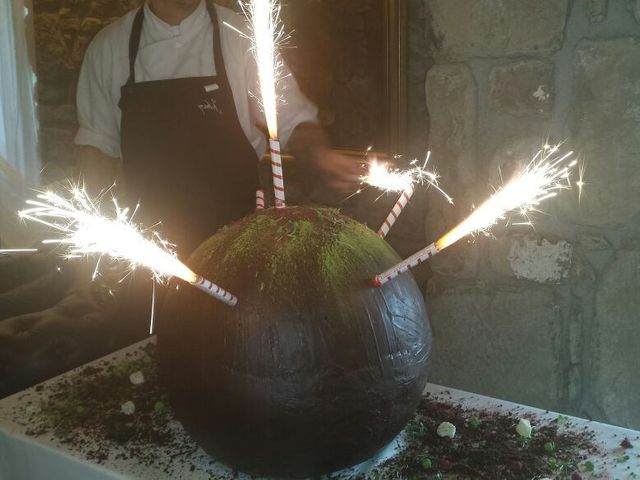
545,316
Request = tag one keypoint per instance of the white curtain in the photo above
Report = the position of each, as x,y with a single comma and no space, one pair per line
19,157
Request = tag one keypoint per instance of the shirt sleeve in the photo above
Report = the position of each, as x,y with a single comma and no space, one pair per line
295,107
97,110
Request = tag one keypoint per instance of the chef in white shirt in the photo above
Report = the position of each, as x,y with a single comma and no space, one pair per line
166,89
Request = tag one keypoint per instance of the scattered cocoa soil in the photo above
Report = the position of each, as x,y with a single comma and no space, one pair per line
84,411
487,446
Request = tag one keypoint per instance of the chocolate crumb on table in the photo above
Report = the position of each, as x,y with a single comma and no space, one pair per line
85,411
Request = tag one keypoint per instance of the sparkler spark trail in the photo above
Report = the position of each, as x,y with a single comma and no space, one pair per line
388,179
152,320
267,33
546,175
13,251
85,231
580,183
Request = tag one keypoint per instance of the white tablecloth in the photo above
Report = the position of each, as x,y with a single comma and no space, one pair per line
43,457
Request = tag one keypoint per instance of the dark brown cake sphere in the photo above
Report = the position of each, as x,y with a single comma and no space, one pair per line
315,369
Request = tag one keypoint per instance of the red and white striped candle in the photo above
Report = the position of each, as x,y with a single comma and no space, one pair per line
215,291
396,211
259,200
276,170
415,259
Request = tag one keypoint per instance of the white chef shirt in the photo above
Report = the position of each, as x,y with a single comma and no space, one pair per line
181,51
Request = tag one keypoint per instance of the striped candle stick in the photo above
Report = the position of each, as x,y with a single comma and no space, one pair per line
396,211
276,169
215,291
259,200
415,259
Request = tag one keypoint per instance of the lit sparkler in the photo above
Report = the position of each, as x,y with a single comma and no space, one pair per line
545,175
388,179
395,212
267,33
404,181
85,231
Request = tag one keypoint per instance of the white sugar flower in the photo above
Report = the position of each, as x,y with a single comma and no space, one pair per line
136,378
524,428
446,429
128,408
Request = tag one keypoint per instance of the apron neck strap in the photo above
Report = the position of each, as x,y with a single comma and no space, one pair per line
134,44
136,33
221,71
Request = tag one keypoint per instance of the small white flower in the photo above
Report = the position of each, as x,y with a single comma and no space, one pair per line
32,409
136,378
128,408
446,429
524,428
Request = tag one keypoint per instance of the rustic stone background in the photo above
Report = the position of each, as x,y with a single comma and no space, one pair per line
550,316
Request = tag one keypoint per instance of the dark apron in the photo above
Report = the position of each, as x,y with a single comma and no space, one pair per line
185,155
186,159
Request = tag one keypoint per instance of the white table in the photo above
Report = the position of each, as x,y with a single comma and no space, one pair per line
24,457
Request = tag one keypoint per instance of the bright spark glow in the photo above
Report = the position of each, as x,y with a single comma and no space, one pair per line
153,308
86,231
11,251
546,174
580,183
384,178
267,33
396,180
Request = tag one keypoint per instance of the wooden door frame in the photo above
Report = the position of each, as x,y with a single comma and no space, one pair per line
395,19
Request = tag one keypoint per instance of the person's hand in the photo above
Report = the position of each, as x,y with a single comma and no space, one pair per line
339,172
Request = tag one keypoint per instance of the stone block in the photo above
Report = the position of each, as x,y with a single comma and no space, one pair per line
452,103
597,250
597,10
53,50
527,256
634,6
540,260
616,383
461,260
54,93
495,28
90,26
583,279
57,115
607,126
47,5
58,151
498,341
522,88
594,242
